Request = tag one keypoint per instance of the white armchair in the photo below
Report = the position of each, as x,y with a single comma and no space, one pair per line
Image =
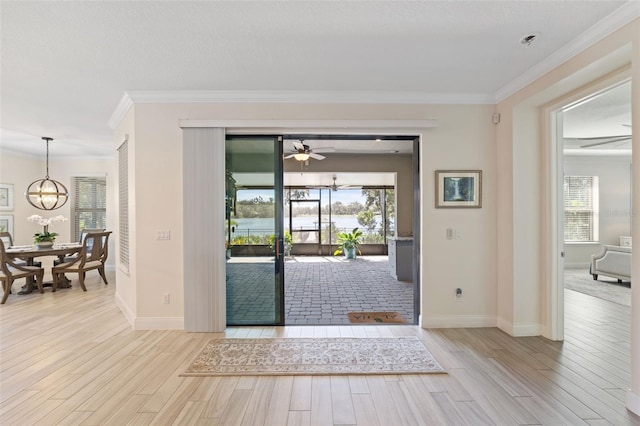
613,261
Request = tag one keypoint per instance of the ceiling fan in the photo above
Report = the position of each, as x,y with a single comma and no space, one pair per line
302,152
335,186
601,140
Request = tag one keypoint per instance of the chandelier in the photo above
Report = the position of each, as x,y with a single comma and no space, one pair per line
47,194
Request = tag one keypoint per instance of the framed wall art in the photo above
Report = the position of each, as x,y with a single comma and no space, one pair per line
458,188
6,223
6,196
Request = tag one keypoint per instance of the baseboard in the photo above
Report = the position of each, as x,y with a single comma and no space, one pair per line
519,330
458,321
633,402
159,323
124,308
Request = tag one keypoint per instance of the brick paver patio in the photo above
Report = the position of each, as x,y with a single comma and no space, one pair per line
318,290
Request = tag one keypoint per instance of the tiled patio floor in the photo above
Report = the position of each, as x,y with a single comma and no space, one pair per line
318,290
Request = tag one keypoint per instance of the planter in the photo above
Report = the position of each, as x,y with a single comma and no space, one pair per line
45,244
350,253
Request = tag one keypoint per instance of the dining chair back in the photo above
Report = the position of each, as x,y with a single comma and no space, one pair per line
83,234
92,255
10,271
7,239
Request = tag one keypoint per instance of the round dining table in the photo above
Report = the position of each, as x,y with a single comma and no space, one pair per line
29,253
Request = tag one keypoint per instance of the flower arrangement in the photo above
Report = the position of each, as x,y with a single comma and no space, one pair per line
45,236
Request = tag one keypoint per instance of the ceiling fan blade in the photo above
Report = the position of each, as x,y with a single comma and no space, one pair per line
326,149
622,139
597,138
298,145
316,156
290,156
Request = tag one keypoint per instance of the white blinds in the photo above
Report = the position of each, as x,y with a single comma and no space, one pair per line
123,198
89,204
580,208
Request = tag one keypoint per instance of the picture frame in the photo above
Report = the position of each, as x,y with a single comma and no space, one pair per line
458,188
6,223
6,196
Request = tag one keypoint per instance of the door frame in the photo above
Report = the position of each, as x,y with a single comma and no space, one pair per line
206,314
553,174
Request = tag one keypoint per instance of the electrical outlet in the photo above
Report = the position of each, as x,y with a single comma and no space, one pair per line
458,294
166,299
164,234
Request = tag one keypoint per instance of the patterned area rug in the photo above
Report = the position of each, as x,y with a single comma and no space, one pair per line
604,288
376,318
321,356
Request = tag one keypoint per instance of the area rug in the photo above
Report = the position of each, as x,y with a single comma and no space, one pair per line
320,356
376,318
604,288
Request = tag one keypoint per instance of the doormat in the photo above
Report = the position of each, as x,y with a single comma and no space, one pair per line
376,318
306,356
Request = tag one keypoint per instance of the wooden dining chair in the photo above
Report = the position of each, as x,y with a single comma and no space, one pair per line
10,271
83,234
7,239
93,255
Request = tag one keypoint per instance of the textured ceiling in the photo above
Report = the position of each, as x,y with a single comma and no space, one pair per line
66,65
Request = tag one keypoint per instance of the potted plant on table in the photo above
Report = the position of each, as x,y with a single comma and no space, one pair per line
349,242
45,238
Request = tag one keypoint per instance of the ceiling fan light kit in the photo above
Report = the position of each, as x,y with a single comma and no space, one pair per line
47,194
303,152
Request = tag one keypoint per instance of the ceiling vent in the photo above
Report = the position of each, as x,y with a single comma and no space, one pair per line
529,39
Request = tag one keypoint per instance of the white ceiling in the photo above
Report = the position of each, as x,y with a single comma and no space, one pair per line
66,65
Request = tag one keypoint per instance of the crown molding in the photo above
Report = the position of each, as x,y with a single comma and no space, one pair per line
612,22
317,96
294,97
121,110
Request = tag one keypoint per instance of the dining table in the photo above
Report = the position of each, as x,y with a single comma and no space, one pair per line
29,252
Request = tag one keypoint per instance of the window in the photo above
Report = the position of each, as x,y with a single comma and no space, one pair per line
580,208
123,200
89,204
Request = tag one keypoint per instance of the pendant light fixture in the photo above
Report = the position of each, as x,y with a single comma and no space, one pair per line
47,194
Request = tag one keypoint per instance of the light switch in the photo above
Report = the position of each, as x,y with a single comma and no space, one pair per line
163,235
450,234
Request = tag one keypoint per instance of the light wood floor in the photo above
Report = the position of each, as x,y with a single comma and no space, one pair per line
70,358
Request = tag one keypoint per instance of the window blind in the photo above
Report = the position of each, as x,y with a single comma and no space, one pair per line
123,198
580,208
89,203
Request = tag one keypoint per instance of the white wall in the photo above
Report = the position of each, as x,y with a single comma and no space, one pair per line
614,176
464,139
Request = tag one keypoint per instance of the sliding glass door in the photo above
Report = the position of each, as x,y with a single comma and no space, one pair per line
254,230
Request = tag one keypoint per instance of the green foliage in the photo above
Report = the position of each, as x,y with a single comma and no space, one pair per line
367,219
257,207
257,240
40,237
348,241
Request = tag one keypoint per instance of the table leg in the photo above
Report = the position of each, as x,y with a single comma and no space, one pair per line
65,282
30,281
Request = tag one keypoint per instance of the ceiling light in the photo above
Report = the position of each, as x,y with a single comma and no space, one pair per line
301,156
47,194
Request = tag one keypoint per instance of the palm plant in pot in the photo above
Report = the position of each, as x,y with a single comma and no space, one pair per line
349,242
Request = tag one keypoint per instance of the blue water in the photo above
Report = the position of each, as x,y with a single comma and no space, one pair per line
265,226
